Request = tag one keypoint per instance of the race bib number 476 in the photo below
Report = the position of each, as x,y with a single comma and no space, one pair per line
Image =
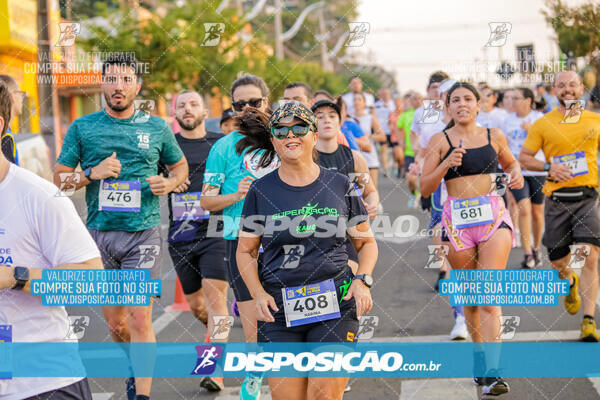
123,196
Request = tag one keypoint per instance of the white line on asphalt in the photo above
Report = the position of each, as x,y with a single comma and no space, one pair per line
398,240
102,396
164,320
442,388
536,336
234,394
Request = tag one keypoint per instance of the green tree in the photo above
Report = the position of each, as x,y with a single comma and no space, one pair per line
576,29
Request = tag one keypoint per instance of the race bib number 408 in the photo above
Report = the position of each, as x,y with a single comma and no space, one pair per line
122,196
310,303
575,161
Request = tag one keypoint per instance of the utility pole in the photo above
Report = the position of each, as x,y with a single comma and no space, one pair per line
278,30
323,38
48,99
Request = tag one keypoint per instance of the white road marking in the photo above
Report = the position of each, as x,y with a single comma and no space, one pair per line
442,388
536,336
233,393
164,320
102,396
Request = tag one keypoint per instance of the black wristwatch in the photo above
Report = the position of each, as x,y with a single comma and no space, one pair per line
88,173
366,278
21,275
547,167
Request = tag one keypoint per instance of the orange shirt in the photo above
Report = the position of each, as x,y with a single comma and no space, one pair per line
562,138
341,139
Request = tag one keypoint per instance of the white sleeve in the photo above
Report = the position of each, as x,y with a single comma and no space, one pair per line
63,237
415,126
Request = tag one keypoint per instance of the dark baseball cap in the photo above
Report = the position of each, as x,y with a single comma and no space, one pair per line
227,114
327,103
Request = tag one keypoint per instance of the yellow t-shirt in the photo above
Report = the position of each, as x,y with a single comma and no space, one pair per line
560,139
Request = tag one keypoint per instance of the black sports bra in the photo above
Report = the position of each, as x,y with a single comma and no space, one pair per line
477,161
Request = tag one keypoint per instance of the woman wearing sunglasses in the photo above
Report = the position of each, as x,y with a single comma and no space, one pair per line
230,169
301,215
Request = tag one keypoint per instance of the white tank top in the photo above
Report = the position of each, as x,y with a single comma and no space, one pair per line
366,123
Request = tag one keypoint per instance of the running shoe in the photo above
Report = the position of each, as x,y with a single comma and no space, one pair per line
347,388
234,308
479,380
588,331
130,388
441,275
251,388
460,331
528,261
412,201
212,384
572,300
537,256
518,238
494,386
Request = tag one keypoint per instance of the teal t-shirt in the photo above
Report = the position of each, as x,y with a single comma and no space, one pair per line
225,168
141,142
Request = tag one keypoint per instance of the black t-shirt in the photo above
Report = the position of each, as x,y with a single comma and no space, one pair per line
181,229
8,148
316,214
341,160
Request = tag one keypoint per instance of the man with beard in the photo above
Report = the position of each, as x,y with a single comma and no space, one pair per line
571,210
119,149
198,258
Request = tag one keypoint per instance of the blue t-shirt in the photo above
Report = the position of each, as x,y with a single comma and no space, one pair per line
225,168
352,130
302,228
351,140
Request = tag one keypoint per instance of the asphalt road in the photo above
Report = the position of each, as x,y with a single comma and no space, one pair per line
408,310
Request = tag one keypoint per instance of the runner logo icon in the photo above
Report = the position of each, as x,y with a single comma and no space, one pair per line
68,32
221,327
77,326
207,359
148,255
579,253
432,111
573,111
499,32
357,33
292,255
437,255
213,32
508,326
366,326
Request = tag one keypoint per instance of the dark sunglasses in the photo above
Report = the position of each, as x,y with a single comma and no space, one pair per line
239,105
281,132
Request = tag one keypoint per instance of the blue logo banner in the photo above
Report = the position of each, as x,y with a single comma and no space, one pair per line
410,360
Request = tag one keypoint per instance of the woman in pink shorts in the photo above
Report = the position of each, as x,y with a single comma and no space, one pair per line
475,219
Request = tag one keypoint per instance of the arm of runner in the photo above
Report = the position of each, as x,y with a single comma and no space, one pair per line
247,260
178,173
378,133
507,160
370,194
558,172
8,281
110,167
365,245
434,168
211,200
363,143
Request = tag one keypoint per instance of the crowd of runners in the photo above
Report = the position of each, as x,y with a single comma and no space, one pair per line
276,178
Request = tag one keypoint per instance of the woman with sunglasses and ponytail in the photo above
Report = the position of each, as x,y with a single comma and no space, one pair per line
480,230
230,169
301,214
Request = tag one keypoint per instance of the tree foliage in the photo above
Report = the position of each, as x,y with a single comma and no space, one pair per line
577,28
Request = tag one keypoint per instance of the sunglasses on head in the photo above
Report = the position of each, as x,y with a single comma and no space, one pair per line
239,105
281,132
